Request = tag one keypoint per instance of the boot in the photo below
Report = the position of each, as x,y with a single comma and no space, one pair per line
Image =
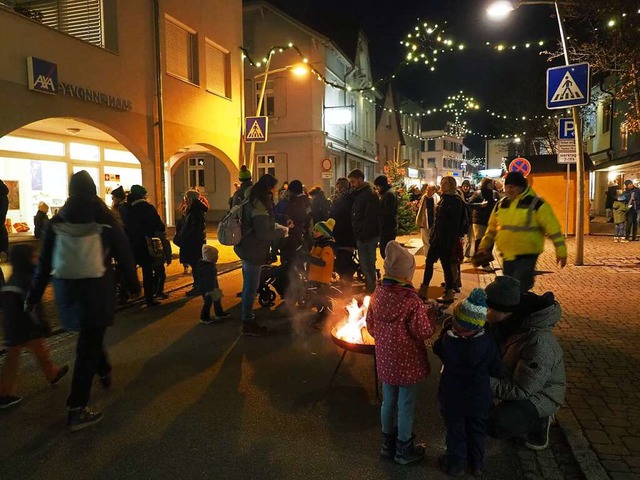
423,293
388,448
448,467
408,452
538,438
82,417
447,297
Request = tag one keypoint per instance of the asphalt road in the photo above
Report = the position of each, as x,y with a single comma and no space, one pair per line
198,401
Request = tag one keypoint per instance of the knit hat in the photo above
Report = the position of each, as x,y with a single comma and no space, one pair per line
209,253
381,181
325,228
192,195
295,187
628,182
244,174
503,294
471,313
398,262
138,191
81,185
516,179
118,193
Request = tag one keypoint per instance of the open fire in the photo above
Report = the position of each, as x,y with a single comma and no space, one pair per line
354,329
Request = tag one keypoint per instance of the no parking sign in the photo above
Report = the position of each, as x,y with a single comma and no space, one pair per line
521,165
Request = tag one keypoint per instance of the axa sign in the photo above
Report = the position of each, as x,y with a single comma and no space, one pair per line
43,76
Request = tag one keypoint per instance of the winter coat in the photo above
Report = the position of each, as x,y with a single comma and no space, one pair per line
4,208
400,323
40,223
365,214
620,210
632,197
144,222
480,213
299,212
532,355
388,213
206,276
90,302
341,212
447,227
611,196
320,207
321,260
468,362
239,195
427,211
258,233
20,326
193,232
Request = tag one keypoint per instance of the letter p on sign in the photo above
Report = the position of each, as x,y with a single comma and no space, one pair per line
566,129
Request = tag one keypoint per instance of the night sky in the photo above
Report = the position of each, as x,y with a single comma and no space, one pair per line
512,83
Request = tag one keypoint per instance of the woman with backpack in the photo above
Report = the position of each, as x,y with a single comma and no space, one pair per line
191,233
259,231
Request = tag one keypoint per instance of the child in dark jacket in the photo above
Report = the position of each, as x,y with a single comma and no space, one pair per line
469,357
207,284
21,329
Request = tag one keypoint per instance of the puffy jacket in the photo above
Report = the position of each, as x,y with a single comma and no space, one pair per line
400,323
321,261
532,355
365,214
206,276
620,210
518,227
258,233
239,194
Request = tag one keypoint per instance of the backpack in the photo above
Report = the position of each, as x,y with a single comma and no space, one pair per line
78,251
230,227
156,250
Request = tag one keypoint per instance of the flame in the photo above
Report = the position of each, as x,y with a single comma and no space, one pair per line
354,330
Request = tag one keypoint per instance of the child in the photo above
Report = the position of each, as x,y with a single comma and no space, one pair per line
159,273
620,209
321,260
400,323
23,330
207,284
469,357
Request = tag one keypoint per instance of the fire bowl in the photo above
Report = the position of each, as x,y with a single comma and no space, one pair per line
363,348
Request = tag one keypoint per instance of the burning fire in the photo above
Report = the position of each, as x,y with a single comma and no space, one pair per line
354,330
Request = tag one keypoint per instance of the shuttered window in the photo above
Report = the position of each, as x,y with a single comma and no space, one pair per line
218,69
79,18
181,52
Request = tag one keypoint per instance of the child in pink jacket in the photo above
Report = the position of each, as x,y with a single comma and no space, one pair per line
401,323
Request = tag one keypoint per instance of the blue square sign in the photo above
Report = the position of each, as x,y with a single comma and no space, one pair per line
256,129
568,86
566,129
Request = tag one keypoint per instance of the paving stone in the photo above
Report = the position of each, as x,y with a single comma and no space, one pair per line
615,466
597,436
632,443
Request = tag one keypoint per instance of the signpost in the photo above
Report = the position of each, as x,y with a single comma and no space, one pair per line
521,165
326,165
567,155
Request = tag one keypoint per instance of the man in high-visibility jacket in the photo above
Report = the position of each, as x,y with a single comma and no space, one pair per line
518,225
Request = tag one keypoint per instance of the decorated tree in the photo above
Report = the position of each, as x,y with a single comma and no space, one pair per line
407,209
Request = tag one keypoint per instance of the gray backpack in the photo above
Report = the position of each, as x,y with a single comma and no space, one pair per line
78,251
230,227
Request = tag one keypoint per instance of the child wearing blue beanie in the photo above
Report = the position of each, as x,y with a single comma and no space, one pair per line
469,357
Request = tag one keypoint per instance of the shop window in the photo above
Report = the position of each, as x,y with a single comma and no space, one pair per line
82,151
266,164
181,51
120,156
116,176
196,173
268,102
218,69
31,145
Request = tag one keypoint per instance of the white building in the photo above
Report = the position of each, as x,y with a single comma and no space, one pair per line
444,153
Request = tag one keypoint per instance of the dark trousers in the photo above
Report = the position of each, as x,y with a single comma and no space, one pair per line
465,439
631,230
510,419
523,269
384,239
159,277
147,282
345,266
206,308
91,360
446,260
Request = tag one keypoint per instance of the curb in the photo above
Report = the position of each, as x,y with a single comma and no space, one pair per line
587,460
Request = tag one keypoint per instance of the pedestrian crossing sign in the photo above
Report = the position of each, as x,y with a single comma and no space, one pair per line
256,129
568,86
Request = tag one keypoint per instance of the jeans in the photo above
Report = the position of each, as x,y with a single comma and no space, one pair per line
465,439
510,419
250,284
619,230
91,360
367,256
446,260
632,225
398,408
206,308
522,269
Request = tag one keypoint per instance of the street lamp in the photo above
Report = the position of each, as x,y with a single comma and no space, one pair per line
499,10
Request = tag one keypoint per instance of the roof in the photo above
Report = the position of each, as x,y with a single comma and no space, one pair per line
549,164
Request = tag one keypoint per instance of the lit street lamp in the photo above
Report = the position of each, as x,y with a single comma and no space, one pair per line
499,10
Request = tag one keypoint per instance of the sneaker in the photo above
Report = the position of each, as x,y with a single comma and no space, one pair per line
105,381
62,371
162,296
448,467
538,439
207,320
153,303
224,316
8,400
82,417
447,297
388,448
408,452
624,240
615,239
252,329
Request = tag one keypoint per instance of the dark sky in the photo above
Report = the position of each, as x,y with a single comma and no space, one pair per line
508,82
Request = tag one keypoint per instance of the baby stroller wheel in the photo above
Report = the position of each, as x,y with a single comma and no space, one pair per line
266,297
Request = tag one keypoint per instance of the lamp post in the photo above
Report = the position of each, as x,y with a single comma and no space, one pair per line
298,69
499,10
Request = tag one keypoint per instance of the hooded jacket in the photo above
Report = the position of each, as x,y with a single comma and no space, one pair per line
532,355
388,212
143,222
258,233
192,229
400,323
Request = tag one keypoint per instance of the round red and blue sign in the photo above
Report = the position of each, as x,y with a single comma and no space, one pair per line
521,165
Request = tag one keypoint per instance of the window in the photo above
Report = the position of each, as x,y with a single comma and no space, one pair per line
195,168
268,102
431,145
182,56
606,117
82,151
624,136
422,163
31,145
266,164
218,69
388,120
386,153
431,162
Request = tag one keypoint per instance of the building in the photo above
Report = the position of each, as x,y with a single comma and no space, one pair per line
317,132
411,152
389,136
444,153
80,88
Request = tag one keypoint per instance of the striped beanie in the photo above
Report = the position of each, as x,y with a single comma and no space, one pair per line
471,313
325,228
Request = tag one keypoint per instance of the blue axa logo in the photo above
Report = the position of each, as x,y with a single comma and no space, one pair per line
43,76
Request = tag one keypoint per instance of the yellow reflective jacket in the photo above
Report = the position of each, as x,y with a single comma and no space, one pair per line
518,227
